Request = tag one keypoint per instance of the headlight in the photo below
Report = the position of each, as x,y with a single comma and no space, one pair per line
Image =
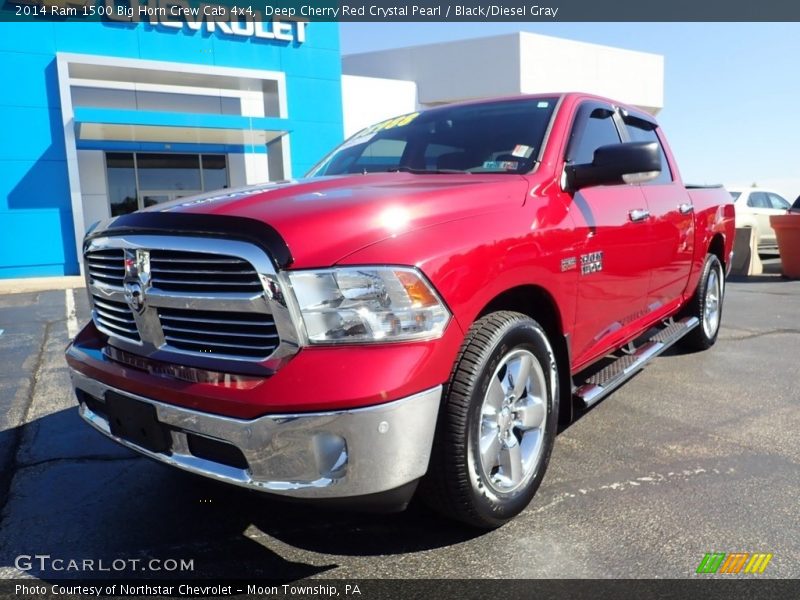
367,304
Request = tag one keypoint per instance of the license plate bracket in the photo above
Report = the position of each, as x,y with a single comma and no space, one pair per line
136,422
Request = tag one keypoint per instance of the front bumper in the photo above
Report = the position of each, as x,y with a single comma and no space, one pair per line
337,454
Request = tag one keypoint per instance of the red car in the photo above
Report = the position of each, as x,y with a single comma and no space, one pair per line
418,314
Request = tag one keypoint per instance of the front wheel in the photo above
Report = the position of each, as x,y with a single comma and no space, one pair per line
706,305
498,423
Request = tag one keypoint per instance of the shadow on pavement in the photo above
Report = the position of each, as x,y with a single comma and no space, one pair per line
771,273
76,495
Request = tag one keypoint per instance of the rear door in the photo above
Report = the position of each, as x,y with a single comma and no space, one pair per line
671,222
612,263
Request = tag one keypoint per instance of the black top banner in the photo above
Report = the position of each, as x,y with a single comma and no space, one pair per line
388,11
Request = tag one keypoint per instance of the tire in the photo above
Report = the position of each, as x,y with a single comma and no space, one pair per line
706,305
495,435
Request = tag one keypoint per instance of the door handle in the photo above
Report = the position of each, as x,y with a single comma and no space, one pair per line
685,208
638,214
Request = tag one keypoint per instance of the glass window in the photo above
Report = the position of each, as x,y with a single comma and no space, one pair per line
157,101
778,202
758,200
215,172
735,195
188,103
598,130
169,171
642,131
153,199
121,183
494,137
103,97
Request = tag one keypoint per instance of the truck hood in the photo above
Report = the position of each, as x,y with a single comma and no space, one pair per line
323,220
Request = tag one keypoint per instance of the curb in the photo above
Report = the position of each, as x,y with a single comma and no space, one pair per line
40,284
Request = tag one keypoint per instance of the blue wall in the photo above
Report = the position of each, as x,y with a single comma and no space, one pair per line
36,228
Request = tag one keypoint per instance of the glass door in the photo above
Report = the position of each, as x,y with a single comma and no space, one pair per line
152,197
163,176
142,179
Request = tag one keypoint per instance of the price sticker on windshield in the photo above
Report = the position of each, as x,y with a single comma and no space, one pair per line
400,121
522,151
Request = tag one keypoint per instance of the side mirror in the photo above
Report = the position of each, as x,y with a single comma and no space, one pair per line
632,162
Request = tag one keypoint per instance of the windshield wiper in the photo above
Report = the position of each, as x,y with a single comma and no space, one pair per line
404,169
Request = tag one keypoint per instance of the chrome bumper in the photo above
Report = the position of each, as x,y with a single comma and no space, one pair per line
314,455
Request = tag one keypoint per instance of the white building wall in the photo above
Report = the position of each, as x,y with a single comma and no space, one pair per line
256,167
247,169
551,64
517,63
237,170
361,109
447,72
94,191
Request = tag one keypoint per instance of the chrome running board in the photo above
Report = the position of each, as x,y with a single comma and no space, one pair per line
609,378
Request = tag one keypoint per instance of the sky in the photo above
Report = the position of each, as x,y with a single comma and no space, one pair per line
731,90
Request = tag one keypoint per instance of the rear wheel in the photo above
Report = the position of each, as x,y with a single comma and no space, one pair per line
498,423
706,305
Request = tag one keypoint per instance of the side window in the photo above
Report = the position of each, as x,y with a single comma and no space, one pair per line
758,200
642,131
778,202
597,130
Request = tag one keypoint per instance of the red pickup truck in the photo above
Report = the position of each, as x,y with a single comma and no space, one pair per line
419,314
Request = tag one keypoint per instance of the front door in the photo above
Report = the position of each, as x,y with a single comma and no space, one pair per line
613,263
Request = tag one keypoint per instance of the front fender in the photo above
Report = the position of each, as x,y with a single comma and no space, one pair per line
472,261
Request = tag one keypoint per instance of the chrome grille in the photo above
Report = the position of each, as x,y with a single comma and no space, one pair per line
106,266
115,318
202,272
189,299
250,335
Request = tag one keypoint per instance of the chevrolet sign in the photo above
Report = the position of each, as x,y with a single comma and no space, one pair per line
178,14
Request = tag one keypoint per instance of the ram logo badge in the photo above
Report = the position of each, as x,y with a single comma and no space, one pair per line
591,263
137,278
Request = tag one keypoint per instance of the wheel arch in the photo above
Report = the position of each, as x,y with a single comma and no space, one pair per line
717,247
538,304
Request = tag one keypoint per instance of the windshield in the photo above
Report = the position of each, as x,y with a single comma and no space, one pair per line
496,137
735,195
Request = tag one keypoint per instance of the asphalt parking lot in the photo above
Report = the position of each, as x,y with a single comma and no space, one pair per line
698,453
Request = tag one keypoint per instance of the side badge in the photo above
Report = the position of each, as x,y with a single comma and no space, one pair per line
569,263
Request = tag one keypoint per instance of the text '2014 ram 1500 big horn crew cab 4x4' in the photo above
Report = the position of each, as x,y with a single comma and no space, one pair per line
419,314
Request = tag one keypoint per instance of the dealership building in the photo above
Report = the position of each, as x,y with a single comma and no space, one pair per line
103,118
